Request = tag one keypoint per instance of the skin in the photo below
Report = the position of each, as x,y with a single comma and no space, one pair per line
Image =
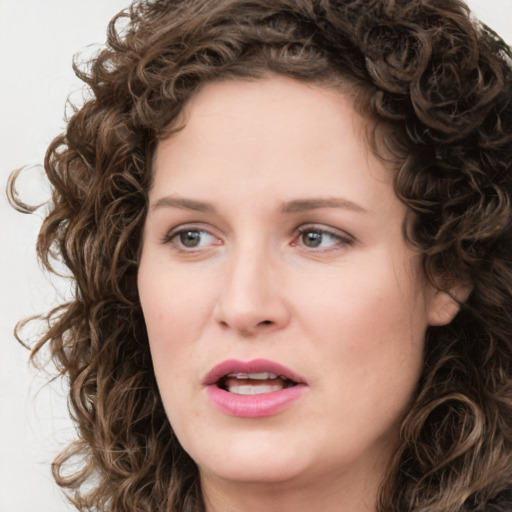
349,314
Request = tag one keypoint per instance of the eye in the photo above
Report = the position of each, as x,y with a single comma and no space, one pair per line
320,238
191,238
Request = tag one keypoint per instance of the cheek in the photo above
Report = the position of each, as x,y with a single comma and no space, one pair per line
170,319
369,305
371,326
173,302
176,307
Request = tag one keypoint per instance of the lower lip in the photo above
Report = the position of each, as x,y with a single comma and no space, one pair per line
254,406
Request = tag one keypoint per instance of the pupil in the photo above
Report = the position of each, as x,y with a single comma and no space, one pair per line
190,238
312,239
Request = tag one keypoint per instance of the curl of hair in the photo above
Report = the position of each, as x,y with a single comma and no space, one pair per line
441,88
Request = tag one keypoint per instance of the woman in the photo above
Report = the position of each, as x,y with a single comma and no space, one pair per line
289,223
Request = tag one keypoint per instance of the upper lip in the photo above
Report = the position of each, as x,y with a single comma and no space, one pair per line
254,366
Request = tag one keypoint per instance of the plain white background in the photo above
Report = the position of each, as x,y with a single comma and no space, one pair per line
38,39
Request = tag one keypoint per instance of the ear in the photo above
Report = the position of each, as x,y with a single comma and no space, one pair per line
445,304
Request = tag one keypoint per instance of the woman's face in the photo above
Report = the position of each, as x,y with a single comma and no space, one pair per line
274,247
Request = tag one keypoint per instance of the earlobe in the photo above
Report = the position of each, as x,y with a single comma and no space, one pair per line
444,305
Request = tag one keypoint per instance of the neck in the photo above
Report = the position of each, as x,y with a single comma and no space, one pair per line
330,493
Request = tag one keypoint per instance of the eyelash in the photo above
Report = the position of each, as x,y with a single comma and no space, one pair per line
169,238
342,240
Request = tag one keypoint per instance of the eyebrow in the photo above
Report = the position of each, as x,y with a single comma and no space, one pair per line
301,205
184,204
294,206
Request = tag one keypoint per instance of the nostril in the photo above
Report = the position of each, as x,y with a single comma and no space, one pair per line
266,322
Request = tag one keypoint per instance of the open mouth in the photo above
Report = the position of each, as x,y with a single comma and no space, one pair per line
253,389
242,383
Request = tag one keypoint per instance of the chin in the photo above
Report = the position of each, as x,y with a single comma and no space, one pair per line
252,457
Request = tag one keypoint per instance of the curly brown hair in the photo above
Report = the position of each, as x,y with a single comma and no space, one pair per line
439,84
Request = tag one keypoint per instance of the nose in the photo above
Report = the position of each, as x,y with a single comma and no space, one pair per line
252,297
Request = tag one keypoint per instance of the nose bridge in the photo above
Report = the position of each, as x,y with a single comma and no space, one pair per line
251,299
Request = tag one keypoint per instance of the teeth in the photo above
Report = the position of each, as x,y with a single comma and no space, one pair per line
253,390
255,376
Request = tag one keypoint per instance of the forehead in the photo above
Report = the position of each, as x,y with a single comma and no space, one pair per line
265,135
270,103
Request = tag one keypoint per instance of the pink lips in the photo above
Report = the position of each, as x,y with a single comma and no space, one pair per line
252,406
